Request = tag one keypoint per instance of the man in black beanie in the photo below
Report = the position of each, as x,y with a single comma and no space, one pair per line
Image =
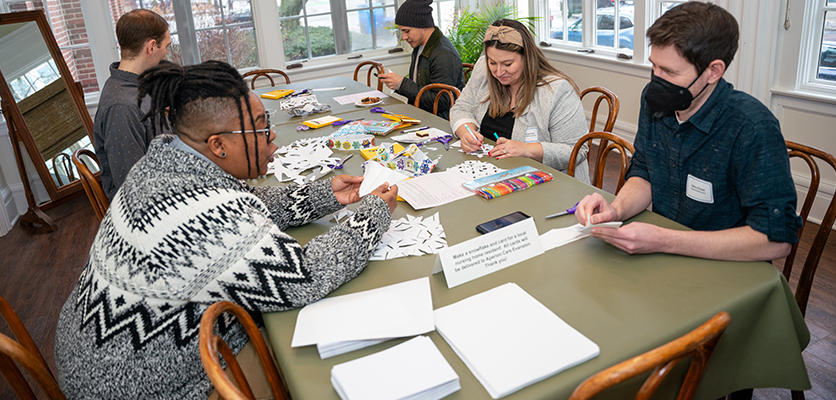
434,58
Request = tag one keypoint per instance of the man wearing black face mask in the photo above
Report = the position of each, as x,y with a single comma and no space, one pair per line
707,156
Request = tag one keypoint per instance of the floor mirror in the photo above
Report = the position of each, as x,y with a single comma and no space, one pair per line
44,110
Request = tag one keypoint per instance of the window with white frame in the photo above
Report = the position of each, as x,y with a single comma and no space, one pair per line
215,29
614,28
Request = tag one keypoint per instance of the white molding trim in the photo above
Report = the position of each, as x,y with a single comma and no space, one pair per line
7,202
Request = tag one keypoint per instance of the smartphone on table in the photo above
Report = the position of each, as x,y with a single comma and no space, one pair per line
501,222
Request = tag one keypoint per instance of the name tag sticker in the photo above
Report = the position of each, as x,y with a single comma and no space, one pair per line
531,135
699,190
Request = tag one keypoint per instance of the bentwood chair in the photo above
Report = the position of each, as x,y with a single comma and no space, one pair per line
374,68
63,160
612,110
91,185
467,68
697,344
211,344
623,146
451,91
258,73
25,353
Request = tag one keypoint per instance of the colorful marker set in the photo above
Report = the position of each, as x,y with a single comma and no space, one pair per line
511,183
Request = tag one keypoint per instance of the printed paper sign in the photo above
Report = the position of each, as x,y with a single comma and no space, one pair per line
488,253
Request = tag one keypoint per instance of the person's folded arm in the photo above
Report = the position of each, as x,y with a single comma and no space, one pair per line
295,205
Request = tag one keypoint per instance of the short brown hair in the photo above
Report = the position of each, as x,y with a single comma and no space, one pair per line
136,27
700,32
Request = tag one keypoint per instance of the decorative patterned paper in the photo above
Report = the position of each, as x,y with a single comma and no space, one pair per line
351,142
379,128
410,160
476,169
411,236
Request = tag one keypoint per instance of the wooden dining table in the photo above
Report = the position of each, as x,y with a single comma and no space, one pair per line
627,304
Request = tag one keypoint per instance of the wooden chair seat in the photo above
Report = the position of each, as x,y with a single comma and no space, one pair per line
374,68
605,147
25,353
697,344
91,185
451,91
211,344
255,74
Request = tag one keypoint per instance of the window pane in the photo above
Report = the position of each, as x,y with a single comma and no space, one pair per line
360,29
571,20
384,17
355,4
212,45
206,15
605,34
322,36
294,40
444,11
243,51
237,12
827,61
175,53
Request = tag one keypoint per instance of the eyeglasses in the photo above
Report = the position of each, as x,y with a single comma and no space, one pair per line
264,132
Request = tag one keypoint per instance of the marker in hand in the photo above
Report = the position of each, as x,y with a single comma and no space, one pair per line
466,126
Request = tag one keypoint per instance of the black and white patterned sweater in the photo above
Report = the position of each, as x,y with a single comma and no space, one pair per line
180,235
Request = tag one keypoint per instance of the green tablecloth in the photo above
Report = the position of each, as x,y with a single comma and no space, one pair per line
626,304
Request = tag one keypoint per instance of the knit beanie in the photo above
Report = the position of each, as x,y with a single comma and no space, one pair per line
415,14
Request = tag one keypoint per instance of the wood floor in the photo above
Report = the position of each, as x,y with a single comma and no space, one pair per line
39,270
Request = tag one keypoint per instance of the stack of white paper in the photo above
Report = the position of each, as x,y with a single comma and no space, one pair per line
509,340
345,323
411,370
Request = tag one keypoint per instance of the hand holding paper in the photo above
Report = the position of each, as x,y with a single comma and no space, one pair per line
346,188
377,175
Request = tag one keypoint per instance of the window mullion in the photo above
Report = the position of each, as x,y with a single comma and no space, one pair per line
339,21
189,49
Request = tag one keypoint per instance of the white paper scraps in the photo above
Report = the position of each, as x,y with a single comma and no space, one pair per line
435,189
413,137
292,160
473,169
298,101
352,98
411,370
342,215
483,152
376,175
399,310
558,237
509,340
411,236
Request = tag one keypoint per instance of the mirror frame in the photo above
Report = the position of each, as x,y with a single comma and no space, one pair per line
12,112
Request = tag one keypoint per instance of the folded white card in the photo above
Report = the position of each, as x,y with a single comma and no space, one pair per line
376,175
509,340
399,310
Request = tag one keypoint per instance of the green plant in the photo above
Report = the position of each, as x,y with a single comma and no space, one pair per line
468,27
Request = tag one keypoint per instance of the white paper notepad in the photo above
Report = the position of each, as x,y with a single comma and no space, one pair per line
509,340
414,369
399,310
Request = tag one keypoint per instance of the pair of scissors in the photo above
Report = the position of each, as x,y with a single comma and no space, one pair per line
379,110
568,211
445,140
339,165
339,123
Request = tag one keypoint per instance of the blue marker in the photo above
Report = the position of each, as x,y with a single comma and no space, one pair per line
496,136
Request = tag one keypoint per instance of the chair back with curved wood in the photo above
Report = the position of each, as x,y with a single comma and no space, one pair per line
258,73
91,185
25,353
467,68
211,344
374,67
612,113
604,149
63,160
697,344
450,90
805,280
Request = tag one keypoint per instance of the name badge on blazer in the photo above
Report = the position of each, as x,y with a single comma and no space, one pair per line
699,190
532,135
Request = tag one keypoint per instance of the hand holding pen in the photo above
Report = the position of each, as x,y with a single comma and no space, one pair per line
470,141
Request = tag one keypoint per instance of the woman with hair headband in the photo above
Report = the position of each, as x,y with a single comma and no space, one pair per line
184,232
534,108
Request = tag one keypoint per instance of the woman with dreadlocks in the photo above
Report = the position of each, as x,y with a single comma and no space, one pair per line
184,232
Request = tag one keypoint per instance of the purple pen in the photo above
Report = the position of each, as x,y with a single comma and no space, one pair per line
416,129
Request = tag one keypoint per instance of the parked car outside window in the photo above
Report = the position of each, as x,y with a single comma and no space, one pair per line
605,26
